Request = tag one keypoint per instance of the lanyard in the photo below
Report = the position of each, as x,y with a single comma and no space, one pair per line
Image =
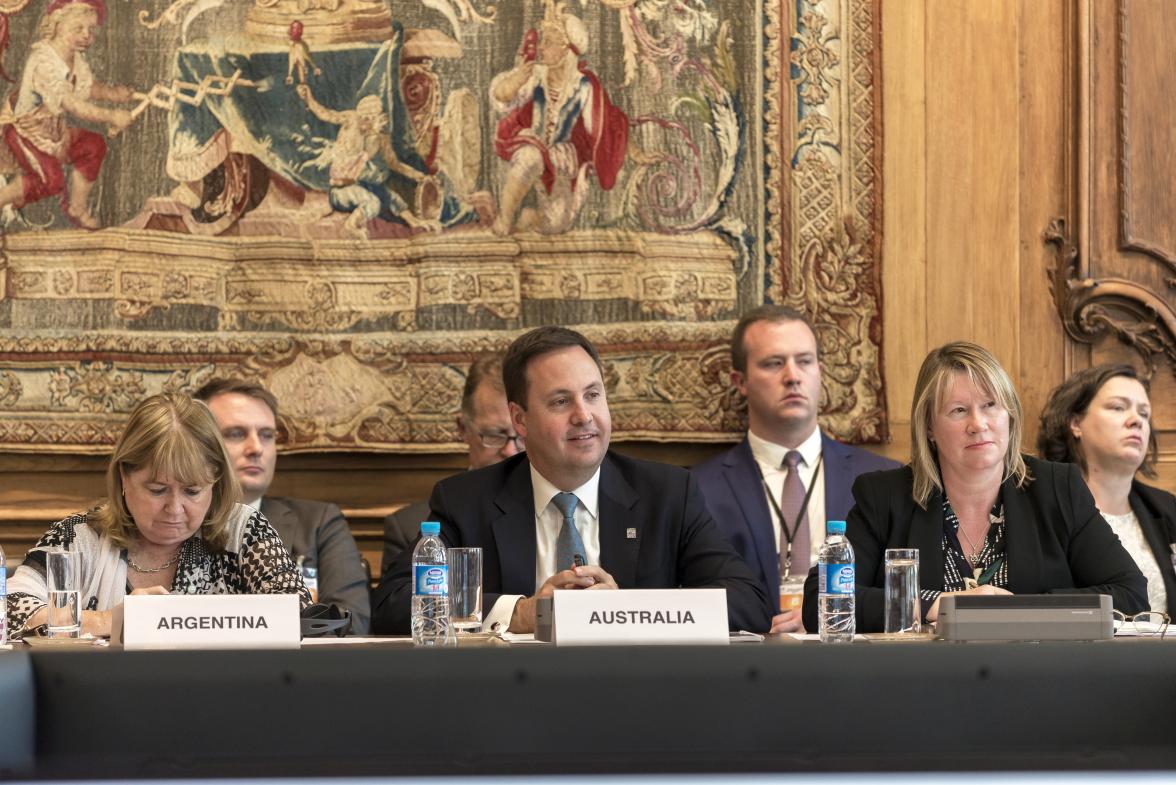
790,533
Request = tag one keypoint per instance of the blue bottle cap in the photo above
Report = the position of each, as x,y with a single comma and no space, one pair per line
835,527
433,528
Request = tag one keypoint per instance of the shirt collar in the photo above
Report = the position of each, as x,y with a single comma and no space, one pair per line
772,454
256,505
545,491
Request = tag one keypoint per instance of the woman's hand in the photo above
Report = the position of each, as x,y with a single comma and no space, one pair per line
150,590
980,591
96,623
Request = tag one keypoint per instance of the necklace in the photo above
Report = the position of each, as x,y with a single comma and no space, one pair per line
974,552
131,563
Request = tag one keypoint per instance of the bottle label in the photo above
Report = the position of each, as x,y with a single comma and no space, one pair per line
836,579
432,580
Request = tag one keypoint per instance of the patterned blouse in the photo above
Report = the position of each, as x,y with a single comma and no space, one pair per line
254,561
991,566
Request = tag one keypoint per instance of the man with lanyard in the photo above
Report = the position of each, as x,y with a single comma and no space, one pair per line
772,493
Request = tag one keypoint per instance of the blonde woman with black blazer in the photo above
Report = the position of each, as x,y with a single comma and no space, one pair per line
985,518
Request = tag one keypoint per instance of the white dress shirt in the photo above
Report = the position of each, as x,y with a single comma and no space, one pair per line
548,522
770,457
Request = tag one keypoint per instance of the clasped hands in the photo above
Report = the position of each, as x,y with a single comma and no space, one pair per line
586,577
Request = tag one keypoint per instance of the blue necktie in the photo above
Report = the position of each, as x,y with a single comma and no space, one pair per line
569,543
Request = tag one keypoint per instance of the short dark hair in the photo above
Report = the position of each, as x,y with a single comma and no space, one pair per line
763,313
486,369
1072,398
532,344
223,386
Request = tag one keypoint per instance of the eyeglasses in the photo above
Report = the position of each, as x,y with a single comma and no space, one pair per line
1147,623
496,441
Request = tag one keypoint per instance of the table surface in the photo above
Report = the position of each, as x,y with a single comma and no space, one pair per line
386,708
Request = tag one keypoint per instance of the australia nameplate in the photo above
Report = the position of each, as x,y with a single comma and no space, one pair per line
640,616
220,621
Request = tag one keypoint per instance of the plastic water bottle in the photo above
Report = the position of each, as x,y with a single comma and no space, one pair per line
430,590
835,570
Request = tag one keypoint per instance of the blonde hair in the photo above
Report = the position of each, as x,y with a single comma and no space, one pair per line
47,27
176,437
983,370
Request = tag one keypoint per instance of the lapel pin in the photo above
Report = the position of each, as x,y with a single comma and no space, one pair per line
630,534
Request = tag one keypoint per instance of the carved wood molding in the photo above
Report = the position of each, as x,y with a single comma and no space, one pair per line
1091,308
1130,237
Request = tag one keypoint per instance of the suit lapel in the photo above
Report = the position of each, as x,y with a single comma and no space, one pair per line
279,515
514,532
616,502
838,473
927,535
1022,548
743,476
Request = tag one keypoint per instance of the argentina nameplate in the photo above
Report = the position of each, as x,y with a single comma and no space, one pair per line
640,616
211,621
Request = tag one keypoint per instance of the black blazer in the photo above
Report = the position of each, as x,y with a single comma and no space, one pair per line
676,543
1156,511
1056,540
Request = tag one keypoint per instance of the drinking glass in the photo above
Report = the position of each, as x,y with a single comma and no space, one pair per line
62,570
465,589
902,590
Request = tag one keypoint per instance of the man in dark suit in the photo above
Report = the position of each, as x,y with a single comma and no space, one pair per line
484,425
775,365
315,533
570,514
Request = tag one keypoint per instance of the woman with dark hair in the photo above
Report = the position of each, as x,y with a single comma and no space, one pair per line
171,524
1100,419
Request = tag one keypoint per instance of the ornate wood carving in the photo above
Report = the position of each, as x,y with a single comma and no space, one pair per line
1092,308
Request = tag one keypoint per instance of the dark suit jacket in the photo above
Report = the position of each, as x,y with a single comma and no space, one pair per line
1055,540
677,543
401,530
319,532
735,497
1156,511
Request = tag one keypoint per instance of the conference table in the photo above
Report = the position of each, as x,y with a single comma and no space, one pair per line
774,707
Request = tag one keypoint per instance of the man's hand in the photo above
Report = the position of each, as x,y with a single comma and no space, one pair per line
586,577
788,621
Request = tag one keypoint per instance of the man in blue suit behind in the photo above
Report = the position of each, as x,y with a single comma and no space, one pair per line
785,467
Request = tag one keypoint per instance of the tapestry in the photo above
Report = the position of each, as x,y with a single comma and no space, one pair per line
350,200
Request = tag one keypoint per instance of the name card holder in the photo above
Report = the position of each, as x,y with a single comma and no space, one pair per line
640,616
211,621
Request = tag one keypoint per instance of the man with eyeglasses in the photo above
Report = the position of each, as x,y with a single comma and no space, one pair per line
484,425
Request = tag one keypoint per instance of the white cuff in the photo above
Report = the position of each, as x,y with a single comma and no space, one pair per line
498,619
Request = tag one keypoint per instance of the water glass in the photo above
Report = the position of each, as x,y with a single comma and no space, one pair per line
465,589
62,577
902,609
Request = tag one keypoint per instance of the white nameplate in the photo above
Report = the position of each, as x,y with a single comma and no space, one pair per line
640,616
211,621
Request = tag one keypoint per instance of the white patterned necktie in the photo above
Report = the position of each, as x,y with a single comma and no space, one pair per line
569,544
